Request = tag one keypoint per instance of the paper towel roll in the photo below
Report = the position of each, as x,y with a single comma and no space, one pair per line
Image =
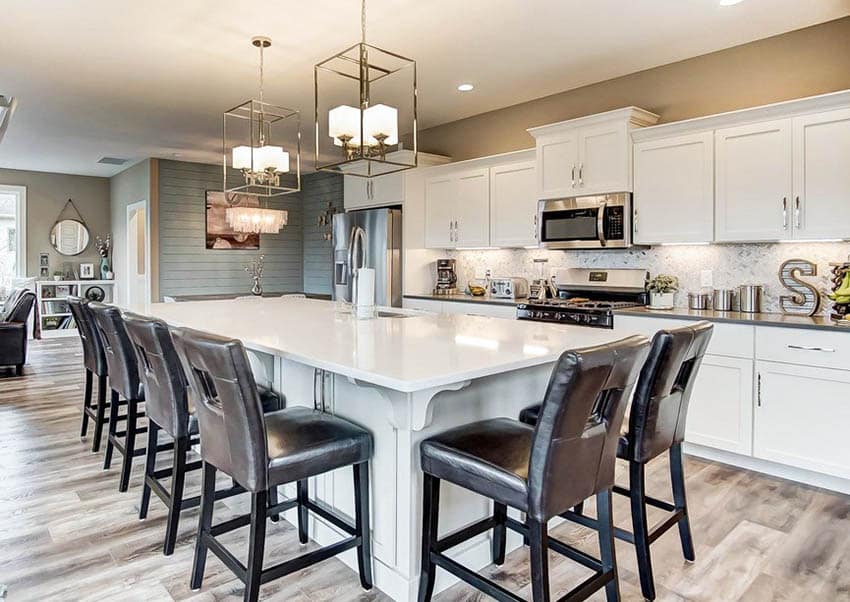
365,294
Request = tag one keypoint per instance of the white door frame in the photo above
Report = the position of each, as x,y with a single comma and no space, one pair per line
131,209
20,227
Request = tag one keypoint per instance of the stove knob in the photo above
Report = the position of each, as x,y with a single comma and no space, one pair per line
508,292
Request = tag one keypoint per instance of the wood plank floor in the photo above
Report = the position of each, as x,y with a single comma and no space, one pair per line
67,534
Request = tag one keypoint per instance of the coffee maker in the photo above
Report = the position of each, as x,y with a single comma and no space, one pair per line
446,277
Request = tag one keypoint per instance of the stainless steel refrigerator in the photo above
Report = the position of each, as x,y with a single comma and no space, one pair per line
369,238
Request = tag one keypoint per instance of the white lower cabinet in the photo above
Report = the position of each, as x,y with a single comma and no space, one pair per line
801,417
469,308
720,414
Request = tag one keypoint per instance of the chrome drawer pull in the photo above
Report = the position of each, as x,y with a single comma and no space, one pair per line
807,348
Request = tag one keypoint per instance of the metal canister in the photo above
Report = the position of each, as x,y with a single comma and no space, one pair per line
699,300
724,299
749,296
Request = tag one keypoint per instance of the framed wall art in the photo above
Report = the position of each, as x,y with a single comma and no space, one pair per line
219,234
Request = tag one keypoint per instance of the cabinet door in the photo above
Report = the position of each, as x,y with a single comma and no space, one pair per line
557,165
801,417
388,189
355,192
513,205
822,175
674,190
472,208
604,155
428,305
720,414
753,168
439,212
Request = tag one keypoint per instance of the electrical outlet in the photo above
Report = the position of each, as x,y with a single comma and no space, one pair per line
706,278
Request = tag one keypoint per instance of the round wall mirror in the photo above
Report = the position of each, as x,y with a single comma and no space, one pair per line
69,237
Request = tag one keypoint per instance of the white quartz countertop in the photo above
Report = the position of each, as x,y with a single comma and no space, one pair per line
407,354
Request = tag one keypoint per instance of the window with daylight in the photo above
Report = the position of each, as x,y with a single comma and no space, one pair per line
12,236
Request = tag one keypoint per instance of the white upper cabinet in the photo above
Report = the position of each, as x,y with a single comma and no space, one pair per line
674,190
360,193
439,212
513,205
753,171
557,161
822,175
589,155
472,208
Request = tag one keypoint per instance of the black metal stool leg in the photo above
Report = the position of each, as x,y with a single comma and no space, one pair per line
178,477
303,495
361,523
579,508
677,477
204,525
539,542
273,499
86,404
150,465
500,514
430,516
605,519
129,444
101,413
640,527
113,427
256,546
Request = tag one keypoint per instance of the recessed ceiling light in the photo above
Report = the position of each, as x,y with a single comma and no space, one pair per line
730,2
465,87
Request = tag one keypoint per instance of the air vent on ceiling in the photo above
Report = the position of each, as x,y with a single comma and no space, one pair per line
112,161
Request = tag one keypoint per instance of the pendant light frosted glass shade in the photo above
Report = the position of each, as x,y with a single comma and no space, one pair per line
264,158
256,220
365,108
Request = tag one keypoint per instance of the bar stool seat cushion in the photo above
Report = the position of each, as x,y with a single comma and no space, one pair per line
489,457
303,442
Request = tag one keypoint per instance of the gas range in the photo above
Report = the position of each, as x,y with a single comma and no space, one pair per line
588,297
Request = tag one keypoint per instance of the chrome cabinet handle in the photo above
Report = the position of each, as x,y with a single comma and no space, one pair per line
534,232
451,232
573,176
635,220
580,174
797,212
758,390
784,213
457,232
808,348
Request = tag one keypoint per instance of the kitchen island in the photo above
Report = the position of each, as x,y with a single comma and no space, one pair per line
404,375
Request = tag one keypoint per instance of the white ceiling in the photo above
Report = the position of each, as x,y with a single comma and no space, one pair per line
146,78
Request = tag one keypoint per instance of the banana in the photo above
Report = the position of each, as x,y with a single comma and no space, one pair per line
842,293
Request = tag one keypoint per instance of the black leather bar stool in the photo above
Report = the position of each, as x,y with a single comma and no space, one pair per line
656,425
167,409
541,471
94,362
124,382
261,452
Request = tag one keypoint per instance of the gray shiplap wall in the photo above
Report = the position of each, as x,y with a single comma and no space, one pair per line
186,267
317,190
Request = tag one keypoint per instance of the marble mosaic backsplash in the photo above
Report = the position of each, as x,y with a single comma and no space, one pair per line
731,265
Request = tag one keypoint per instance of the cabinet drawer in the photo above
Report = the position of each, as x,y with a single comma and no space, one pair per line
423,305
732,340
804,347
480,309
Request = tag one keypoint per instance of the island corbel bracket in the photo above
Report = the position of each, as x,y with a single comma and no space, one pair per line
410,411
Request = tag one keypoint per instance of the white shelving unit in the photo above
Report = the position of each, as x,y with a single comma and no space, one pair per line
54,316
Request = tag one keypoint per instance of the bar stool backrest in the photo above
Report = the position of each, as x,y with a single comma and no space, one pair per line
575,439
93,357
120,356
660,405
230,415
160,372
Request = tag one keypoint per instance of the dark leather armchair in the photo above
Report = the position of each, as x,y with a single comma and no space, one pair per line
13,329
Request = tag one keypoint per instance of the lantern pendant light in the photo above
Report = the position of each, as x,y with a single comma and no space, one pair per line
365,98
254,135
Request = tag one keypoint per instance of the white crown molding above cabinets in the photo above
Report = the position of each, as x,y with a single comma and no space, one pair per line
588,155
778,110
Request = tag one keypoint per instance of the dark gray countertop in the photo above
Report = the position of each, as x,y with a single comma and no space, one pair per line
460,297
736,317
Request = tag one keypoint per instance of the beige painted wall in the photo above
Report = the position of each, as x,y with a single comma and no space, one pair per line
125,188
47,193
801,63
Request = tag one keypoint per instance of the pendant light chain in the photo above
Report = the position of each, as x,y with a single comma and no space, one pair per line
262,115
363,21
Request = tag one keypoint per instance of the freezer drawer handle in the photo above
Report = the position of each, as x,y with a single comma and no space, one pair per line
807,348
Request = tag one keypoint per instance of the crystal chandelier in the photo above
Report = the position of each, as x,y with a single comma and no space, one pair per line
354,128
248,132
256,220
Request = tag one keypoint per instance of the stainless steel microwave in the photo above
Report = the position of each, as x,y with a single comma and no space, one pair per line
588,222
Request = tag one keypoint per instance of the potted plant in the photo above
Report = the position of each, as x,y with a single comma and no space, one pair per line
662,291
57,275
